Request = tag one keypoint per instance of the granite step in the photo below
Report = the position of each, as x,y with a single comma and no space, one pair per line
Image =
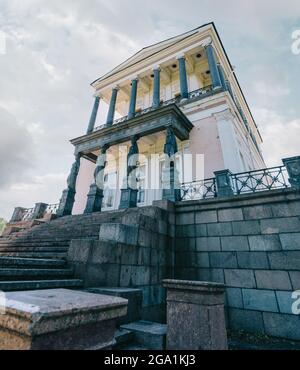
34,242
33,249
123,337
34,255
9,286
34,274
31,262
150,335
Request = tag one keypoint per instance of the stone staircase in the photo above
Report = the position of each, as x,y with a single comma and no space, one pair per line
37,258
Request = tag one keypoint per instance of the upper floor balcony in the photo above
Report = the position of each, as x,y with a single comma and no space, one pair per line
192,96
172,72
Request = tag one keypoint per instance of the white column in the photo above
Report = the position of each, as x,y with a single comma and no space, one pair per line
229,144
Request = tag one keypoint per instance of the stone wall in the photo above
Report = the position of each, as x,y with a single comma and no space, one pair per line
252,244
135,252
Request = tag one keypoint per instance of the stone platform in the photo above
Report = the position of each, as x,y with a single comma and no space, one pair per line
59,319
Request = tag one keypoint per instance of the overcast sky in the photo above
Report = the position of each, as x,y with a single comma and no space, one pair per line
55,49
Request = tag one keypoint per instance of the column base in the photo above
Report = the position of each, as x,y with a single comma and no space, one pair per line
128,198
66,203
171,191
173,195
94,200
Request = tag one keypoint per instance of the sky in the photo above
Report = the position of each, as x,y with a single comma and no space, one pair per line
55,49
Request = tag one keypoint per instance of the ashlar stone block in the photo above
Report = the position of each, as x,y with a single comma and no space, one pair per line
199,308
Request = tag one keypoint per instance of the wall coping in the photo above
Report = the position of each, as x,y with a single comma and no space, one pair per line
244,200
189,285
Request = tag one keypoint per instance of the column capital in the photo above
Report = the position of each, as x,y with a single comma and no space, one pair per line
104,149
156,68
116,87
134,139
97,96
207,42
180,56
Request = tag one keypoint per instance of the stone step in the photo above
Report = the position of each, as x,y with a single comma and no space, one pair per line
34,242
31,262
134,297
123,337
150,335
34,274
34,249
9,286
32,255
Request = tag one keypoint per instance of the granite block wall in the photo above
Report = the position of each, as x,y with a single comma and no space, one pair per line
251,243
134,253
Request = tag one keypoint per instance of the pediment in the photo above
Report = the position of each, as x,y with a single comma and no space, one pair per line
149,51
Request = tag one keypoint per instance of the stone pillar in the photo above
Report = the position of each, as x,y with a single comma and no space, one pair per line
39,211
95,195
184,90
215,76
133,96
171,188
195,316
112,107
93,116
68,196
130,192
224,184
156,88
17,214
293,168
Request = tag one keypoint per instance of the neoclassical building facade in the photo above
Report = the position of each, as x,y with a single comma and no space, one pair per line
178,99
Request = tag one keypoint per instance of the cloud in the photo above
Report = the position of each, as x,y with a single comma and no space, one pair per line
47,188
281,136
16,151
271,90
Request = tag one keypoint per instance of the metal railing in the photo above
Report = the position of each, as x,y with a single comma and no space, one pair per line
241,183
205,189
52,209
200,93
260,180
27,214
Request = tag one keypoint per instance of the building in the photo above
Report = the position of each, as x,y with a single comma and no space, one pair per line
187,80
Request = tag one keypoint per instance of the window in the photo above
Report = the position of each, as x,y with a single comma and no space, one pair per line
163,94
110,182
141,176
140,103
175,88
